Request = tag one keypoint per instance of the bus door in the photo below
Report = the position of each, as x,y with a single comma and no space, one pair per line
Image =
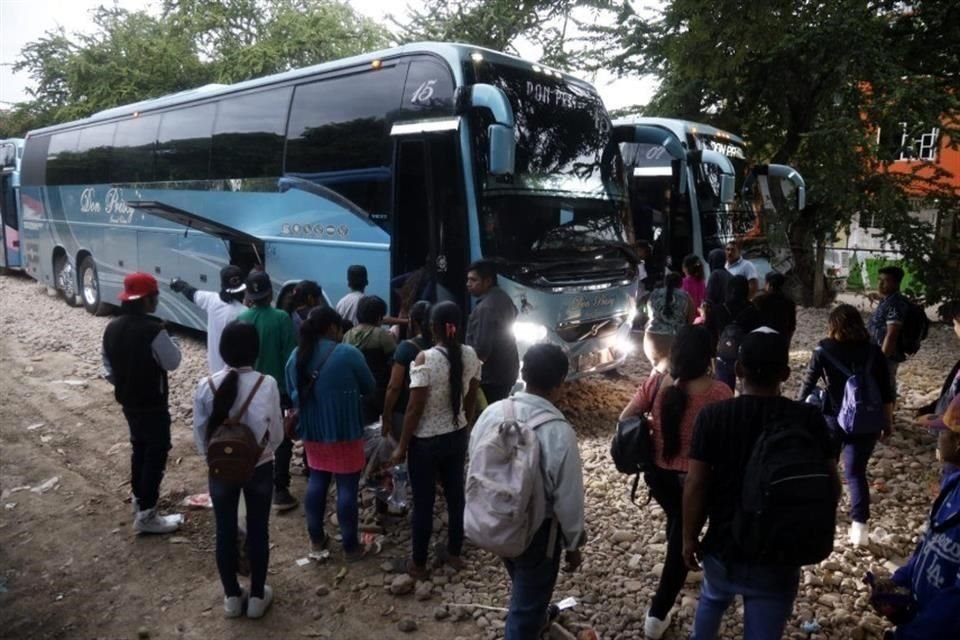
429,248
9,209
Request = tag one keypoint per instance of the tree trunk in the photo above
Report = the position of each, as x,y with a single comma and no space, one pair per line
804,259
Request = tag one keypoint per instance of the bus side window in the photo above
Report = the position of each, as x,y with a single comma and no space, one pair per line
133,150
33,167
183,148
248,135
428,91
337,136
93,154
62,158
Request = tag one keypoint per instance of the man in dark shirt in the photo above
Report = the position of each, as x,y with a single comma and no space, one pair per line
887,321
490,331
724,438
775,308
137,354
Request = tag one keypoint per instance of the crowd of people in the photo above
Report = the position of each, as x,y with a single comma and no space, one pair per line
729,451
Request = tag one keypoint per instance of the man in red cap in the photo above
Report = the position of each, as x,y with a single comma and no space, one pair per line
137,354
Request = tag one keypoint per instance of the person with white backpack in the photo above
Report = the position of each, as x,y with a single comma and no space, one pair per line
525,489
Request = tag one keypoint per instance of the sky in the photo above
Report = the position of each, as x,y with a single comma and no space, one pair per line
22,21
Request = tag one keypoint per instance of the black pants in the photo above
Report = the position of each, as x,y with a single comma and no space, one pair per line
495,392
666,487
431,460
150,439
283,454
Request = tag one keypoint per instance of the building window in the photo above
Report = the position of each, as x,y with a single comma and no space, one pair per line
922,148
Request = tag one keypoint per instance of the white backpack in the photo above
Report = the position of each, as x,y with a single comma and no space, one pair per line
506,500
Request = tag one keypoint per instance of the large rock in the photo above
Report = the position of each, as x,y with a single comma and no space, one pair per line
402,585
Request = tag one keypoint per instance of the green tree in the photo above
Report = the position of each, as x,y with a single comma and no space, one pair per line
244,39
808,84
552,25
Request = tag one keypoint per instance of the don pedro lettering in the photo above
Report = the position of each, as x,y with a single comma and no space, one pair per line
553,96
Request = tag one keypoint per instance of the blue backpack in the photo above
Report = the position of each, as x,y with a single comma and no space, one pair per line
861,410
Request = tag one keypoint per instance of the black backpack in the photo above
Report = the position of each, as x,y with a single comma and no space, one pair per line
916,326
632,446
728,346
788,504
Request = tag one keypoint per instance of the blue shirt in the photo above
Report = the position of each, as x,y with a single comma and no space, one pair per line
331,411
933,572
891,310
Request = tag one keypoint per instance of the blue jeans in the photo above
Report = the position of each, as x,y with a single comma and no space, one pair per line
348,513
533,575
258,494
856,453
429,460
150,444
768,595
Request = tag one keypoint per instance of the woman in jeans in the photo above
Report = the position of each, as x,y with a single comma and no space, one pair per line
216,398
673,401
326,381
848,349
398,390
443,383
668,309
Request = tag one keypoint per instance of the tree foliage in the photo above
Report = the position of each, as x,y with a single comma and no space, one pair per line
550,25
132,55
808,84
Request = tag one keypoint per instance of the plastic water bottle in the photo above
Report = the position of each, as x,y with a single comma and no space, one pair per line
397,502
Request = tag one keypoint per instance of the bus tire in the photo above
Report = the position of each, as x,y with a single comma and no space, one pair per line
65,281
90,288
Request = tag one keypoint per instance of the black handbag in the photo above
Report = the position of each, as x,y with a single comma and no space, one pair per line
632,446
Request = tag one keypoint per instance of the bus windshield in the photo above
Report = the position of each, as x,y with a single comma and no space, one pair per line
563,137
520,228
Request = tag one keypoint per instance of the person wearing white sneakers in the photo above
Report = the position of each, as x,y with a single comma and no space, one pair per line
137,354
847,360
239,391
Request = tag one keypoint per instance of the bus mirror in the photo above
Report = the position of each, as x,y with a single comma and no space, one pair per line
728,185
502,150
785,172
801,198
8,156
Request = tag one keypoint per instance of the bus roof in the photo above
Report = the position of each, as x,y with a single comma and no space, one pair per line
681,128
452,53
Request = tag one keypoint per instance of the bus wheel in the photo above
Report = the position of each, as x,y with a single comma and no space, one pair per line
66,281
90,288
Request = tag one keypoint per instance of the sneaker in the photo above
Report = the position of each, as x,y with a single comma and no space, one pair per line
859,534
150,521
654,628
256,607
134,504
233,605
283,500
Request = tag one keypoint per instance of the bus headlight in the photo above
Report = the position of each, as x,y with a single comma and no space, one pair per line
625,345
529,332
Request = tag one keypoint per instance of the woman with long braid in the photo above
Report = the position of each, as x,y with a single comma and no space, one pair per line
443,389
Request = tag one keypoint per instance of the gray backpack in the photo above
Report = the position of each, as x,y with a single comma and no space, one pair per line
506,499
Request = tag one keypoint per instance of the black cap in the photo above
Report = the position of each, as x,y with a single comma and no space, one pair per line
764,353
258,286
231,279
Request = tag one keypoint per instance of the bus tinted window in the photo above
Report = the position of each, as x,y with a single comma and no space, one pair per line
340,125
33,167
93,154
248,135
428,91
62,165
183,147
134,144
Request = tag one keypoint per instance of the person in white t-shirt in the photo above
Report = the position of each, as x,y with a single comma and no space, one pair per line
737,265
357,281
222,308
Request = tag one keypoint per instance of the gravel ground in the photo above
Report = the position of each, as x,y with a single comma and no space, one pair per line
627,542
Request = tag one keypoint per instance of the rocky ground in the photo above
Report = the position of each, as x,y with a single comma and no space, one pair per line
70,565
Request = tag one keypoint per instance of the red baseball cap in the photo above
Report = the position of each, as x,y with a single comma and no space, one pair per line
138,285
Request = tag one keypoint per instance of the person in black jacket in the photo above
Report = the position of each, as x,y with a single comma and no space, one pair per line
849,349
137,354
490,331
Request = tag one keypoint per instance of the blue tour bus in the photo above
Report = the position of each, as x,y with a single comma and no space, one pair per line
421,157
691,191
11,151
